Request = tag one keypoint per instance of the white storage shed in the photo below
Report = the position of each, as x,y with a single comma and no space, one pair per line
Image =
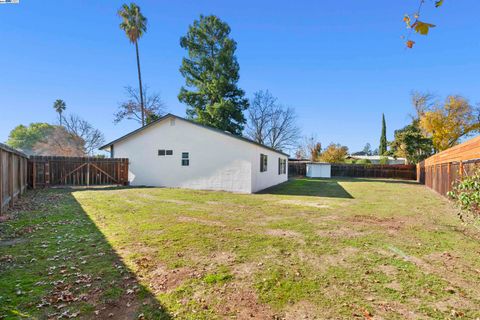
319,170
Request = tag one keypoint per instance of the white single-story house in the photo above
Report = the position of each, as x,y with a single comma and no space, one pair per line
176,152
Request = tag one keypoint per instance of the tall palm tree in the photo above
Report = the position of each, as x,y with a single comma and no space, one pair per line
59,105
135,25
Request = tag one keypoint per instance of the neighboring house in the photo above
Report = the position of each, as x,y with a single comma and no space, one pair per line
376,159
176,152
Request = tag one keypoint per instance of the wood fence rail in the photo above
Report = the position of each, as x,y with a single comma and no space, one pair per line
13,176
45,171
386,171
441,171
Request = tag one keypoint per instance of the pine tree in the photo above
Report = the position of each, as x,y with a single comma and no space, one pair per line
211,73
382,149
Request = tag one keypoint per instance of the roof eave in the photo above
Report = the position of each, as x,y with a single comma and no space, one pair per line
108,145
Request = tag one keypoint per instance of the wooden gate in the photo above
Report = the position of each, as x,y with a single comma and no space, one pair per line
72,171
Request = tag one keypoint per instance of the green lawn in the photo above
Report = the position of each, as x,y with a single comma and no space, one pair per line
347,248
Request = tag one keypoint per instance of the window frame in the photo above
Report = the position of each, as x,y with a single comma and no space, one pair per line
263,162
282,166
185,159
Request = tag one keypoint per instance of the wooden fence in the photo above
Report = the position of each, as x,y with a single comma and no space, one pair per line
387,171
72,171
13,177
441,171
297,168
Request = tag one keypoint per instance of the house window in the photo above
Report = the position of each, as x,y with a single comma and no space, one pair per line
282,166
263,162
165,152
185,159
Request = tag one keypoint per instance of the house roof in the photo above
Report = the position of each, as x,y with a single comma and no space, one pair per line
169,115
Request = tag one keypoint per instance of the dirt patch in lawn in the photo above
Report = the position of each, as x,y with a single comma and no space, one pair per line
341,232
392,225
452,262
246,270
241,302
304,203
389,270
201,221
285,234
303,310
384,309
222,258
324,261
164,280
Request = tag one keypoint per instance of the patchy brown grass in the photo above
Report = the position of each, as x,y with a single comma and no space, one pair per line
310,249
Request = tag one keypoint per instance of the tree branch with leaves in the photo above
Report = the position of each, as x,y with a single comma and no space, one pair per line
414,23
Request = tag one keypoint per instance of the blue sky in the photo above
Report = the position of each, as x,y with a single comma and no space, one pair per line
340,64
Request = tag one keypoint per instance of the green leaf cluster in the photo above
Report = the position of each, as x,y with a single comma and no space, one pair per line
466,195
211,73
411,143
25,137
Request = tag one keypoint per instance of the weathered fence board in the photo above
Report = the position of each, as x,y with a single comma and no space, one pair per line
77,171
441,171
13,177
387,171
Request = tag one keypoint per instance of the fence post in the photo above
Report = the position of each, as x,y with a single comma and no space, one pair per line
460,169
449,177
34,173
19,178
88,173
47,174
10,179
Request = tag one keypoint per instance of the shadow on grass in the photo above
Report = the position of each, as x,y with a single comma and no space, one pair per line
56,263
328,188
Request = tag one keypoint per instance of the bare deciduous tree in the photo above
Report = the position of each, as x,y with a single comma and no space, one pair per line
422,102
93,138
309,148
270,123
132,108
60,142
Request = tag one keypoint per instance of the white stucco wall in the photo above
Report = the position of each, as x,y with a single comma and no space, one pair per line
217,161
263,180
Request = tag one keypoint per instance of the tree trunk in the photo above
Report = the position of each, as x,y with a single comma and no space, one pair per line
140,84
